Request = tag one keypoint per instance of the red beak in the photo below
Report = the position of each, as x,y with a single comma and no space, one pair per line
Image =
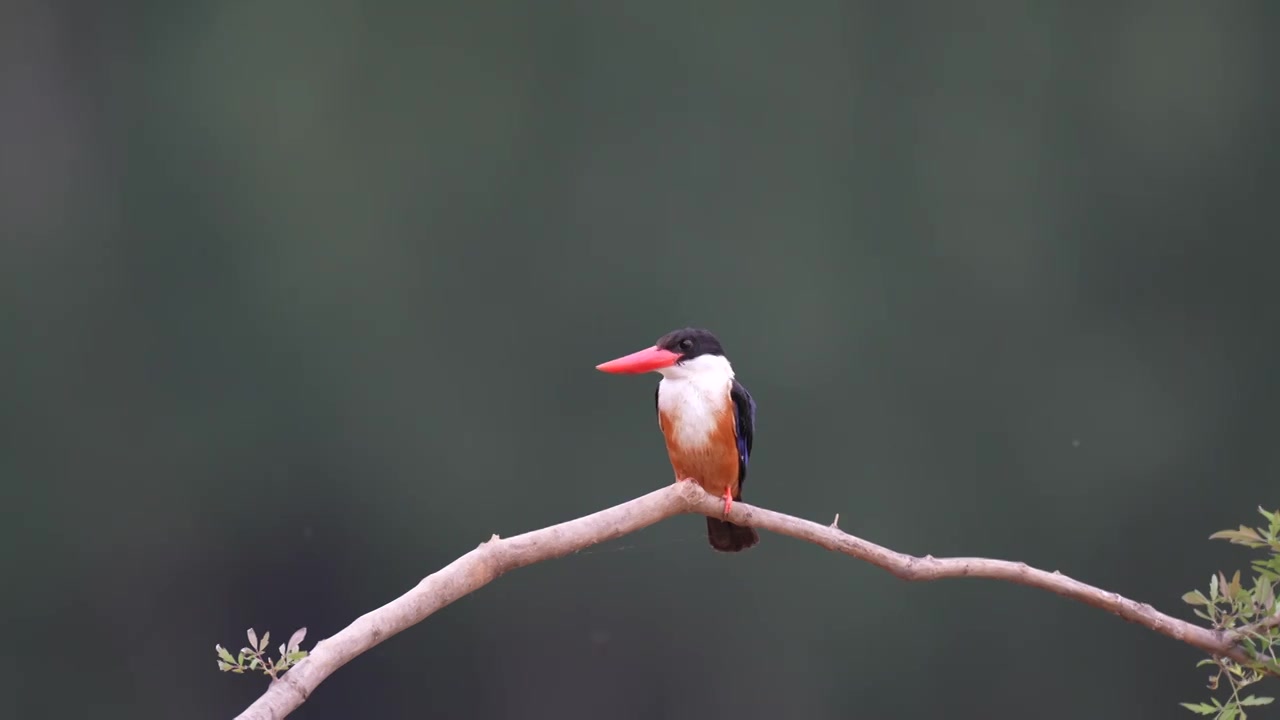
642,361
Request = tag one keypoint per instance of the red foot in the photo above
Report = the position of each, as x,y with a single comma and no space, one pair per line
728,500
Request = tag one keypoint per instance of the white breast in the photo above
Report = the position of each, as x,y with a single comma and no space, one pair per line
692,394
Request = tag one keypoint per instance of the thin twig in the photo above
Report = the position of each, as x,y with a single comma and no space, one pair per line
496,556
1261,627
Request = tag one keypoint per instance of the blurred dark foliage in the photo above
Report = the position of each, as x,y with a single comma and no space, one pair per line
302,300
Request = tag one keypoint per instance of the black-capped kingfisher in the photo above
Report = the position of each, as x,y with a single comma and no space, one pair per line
706,417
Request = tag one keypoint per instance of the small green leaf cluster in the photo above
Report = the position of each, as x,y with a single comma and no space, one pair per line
1230,711
1247,614
252,657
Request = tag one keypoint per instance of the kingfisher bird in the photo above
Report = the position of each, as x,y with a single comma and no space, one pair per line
707,419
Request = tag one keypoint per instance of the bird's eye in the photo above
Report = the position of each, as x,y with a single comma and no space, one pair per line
686,344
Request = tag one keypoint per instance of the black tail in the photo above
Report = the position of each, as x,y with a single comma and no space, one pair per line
727,537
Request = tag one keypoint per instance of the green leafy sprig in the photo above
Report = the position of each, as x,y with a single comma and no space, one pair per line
1246,614
253,657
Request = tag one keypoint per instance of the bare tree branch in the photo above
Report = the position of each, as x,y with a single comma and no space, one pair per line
497,556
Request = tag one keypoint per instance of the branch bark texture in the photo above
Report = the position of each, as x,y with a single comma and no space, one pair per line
497,555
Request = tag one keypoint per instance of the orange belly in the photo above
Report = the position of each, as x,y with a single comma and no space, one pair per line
713,464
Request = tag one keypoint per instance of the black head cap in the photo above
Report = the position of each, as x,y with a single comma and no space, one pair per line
690,343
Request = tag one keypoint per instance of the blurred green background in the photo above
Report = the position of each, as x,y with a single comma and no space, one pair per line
302,300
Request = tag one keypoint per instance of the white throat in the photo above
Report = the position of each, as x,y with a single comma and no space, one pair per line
693,394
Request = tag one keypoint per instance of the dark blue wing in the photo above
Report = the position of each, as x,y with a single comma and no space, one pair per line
744,415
